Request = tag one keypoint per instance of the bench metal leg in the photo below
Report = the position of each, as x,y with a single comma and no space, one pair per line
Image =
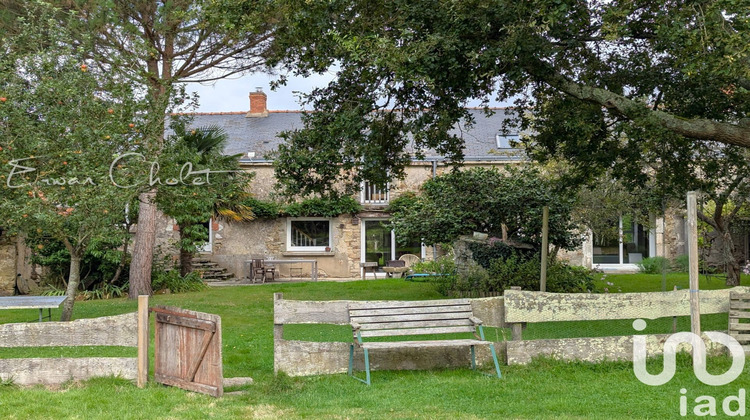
367,365
351,359
494,358
473,359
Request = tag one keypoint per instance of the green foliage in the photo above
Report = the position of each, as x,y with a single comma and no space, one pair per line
171,279
312,207
323,207
263,209
516,271
445,266
561,277
99,264
484,254
654,265
681,263
64,120
106,291
195,199
661,86
482,200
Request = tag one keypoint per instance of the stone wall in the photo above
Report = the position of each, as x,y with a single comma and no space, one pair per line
236,243
300,358
297,357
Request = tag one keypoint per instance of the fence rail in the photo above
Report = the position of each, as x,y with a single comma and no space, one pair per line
128,330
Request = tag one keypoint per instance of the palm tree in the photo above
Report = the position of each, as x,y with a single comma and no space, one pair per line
207,143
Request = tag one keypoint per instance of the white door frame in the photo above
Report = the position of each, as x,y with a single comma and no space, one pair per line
208,247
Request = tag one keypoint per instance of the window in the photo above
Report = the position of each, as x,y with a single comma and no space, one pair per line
507,141
373,195
308,234
630,245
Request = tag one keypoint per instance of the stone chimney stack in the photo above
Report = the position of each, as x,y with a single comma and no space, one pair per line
257,104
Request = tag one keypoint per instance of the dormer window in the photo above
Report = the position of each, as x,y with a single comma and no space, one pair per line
507,141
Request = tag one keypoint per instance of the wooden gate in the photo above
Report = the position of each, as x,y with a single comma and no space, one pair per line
187,350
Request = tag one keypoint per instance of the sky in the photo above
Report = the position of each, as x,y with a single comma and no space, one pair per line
232,94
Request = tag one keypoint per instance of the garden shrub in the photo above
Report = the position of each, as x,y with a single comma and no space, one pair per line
171,279
654,265
443,265
484,254
565,278
514,271
519,270
681,264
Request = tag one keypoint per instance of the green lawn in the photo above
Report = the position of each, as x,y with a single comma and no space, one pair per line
544,389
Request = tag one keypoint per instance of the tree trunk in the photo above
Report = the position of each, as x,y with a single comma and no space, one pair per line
143,249
124,257
73,280
732,266
186,257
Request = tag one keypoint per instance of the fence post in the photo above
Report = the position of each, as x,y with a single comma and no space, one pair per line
278,329
143,337
545,249
692,216
516,329
695,312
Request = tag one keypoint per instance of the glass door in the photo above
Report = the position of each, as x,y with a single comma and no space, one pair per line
378,242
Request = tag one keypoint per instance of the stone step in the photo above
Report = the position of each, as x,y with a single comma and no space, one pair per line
212,280
217,275
217,270
204,264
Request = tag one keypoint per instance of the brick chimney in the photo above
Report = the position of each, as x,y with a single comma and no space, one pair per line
257,104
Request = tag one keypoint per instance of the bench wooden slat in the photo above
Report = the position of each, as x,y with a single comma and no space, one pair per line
738,295
415,324
416,331
412,317
406,304
737,304
425,343
408,311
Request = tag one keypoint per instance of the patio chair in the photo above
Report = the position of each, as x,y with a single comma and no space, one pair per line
261,272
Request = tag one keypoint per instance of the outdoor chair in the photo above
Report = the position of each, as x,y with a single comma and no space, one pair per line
260,271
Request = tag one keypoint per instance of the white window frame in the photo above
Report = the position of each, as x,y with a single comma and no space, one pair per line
363,194
651,250
289,245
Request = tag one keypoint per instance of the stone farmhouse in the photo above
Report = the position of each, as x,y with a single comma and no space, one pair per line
344,242
341,244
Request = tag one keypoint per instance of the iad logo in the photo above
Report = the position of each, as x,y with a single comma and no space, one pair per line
699,357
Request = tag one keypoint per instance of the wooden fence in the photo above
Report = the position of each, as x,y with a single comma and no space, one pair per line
128,330
514,310
532,307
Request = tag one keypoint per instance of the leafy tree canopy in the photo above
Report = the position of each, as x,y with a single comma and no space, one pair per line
599,79
61,125
483,200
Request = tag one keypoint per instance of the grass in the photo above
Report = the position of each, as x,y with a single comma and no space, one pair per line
543,389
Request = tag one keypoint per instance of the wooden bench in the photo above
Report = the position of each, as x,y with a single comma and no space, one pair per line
414,318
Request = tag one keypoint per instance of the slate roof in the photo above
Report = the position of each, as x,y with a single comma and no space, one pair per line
260,134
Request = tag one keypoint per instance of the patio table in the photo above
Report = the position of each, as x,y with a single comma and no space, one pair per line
25,302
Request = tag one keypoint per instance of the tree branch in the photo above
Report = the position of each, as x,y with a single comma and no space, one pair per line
697,128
